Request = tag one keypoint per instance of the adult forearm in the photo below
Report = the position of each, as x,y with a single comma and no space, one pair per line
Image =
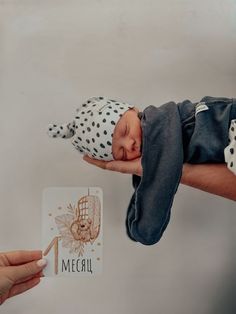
211,178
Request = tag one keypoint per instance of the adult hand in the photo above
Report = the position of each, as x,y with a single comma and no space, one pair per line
19,271
129,166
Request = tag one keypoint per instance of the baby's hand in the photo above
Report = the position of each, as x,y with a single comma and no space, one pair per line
130,166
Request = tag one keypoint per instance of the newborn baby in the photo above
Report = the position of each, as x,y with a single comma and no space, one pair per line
103,129
165,137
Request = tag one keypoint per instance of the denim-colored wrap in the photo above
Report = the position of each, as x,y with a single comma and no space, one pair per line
171,135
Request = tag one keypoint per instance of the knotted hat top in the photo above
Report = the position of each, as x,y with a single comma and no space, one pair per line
92,128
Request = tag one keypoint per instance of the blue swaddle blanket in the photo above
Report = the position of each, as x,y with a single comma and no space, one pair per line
174,134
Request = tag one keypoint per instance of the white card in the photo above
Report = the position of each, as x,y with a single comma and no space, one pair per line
72,230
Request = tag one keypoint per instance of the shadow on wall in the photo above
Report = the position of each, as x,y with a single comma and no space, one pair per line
225,298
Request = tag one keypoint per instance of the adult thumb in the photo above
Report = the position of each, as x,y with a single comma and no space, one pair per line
28,269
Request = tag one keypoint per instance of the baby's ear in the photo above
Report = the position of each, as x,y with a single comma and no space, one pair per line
135,109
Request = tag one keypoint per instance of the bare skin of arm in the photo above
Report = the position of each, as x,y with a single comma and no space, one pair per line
211,178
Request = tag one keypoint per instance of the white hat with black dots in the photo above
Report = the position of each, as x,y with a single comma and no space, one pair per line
93,126
230,150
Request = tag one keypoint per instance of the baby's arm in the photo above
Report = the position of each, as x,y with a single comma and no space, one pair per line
211,178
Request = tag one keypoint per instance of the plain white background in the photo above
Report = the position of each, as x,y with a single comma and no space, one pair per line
55,54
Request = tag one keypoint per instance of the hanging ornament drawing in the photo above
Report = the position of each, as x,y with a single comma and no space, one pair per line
77,228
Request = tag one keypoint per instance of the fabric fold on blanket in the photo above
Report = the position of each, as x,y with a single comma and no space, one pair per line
162,159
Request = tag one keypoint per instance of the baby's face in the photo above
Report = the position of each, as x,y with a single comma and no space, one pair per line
127,136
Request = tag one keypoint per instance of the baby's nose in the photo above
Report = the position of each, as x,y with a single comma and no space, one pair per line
131,145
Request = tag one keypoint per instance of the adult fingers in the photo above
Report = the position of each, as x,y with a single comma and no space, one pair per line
3,298
128,167
96,162
120,166
108,165
20,257
22,287
16,273
38,275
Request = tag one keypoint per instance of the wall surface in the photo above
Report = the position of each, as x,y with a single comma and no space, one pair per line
54,54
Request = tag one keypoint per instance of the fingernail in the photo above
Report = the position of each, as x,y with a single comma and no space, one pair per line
42,262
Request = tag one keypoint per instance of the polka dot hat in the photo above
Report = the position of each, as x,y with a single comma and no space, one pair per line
229,151
93,126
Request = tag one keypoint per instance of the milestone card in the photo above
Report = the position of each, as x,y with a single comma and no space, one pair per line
72,230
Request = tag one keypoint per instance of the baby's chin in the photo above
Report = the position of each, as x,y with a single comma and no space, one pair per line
135,156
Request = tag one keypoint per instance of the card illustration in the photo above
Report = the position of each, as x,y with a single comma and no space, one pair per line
75,228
